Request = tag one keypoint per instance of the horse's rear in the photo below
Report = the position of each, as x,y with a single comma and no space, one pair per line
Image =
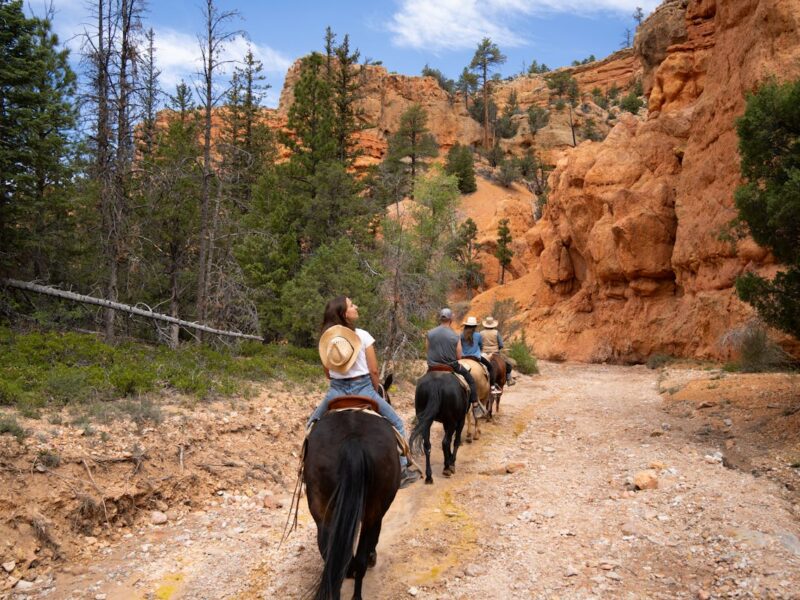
478,372
439,397
352,473
499,366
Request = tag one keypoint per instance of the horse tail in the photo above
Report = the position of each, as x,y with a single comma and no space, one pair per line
347,506
422,430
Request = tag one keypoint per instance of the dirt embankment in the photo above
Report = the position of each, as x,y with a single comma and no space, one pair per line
544,506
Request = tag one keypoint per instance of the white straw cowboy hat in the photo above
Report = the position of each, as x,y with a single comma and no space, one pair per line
338,348
489,322
470,322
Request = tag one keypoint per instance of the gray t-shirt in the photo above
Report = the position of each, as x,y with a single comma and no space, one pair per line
442,342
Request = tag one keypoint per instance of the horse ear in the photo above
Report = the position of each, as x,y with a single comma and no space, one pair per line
387,383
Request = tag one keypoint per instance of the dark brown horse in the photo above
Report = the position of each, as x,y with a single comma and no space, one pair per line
439,397
352,472
499,367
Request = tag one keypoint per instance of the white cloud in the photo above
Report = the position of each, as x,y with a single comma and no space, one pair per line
455,24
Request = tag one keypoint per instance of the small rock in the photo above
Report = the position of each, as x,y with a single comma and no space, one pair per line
158,518
24,586
100,597
570,571
658,465
713,459
9,566
613,576
548,449
728,422
646,480
703,595
629,528
514,467
472,570
412,591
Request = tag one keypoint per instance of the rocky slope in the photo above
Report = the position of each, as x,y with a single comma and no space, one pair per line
628,259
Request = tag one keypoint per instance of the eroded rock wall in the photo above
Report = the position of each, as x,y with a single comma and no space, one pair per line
628,256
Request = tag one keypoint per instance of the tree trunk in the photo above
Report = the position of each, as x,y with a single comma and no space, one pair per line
485,108
208,90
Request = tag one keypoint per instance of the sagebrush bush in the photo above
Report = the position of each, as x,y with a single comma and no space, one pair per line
9,425
754,350
522,353
658,360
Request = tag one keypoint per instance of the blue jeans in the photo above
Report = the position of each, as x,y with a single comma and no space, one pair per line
360,386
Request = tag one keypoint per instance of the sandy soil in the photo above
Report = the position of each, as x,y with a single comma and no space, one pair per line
543,506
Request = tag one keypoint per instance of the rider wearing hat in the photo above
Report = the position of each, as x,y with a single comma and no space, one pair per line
472,346
350,363
443,347
493,343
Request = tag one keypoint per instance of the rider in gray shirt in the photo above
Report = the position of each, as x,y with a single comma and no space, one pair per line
443,347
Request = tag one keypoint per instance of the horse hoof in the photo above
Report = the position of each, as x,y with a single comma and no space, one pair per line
468,439
447,473
452,469
372,560
429,481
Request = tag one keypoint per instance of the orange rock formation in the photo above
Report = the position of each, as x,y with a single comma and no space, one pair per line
628,259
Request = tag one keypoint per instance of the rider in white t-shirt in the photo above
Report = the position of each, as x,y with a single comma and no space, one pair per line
351,364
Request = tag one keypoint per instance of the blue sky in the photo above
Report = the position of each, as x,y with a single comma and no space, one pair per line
404,34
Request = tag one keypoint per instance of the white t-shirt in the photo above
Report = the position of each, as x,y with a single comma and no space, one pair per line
360,366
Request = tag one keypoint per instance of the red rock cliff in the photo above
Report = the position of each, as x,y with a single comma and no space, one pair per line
627,257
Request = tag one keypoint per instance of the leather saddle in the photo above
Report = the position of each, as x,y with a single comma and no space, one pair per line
353,403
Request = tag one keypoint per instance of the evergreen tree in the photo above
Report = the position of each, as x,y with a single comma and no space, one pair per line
467,84
638,16
36,114
538,118
487,55
506,127
464,251
344,78
565,87
460,163
448,85
171,209
769,200
504,253
413,141
311,119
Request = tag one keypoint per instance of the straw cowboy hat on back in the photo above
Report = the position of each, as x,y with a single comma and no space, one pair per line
489,323
338,348
470,322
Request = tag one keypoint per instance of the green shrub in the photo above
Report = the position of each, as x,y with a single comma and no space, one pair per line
508,173
9,425
523,355
756,351
49,459
632,103
10,393
658,360
142,411
132,379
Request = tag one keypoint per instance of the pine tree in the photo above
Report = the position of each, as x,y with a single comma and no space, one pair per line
464,250
504,253
487,55
344,78
413,141
460,163
467,84
36,115
769,200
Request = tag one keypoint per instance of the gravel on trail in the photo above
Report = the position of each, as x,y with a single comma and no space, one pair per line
545,505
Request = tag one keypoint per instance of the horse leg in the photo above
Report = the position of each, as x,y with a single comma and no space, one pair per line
456,444
477,435
470,418
448,457
426,444
366,547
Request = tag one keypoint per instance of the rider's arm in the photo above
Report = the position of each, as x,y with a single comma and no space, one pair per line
372,365
458,350
499,341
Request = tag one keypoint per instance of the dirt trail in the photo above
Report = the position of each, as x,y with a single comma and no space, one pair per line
563,523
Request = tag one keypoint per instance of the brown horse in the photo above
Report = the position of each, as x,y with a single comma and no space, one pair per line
499,367
351,471
478,372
